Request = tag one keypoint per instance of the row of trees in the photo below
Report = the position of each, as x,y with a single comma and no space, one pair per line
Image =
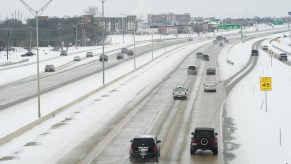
52,31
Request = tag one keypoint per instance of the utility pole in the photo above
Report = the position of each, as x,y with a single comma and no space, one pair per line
37,13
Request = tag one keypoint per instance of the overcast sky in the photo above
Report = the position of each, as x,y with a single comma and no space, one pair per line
218,8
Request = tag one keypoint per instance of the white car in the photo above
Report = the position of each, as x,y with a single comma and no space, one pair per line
180,92
77,58
210,86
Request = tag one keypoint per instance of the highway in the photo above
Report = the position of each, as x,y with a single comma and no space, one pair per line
151,111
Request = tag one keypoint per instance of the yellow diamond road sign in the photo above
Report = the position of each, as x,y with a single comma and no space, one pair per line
266,83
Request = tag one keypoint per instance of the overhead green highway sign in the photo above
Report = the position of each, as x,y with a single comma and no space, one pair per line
228,26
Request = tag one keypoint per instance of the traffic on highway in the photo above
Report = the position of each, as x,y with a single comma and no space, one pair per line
165,94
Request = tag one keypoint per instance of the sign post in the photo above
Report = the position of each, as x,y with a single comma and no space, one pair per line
266,85
289,13
271,53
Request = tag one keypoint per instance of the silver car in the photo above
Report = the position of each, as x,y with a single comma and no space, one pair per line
180,92
210,86
192,70
77,58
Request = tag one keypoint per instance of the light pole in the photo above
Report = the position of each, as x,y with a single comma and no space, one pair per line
152,42
30,35
37,13
134,28
103,22
76,35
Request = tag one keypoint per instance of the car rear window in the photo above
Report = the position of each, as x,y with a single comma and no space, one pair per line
143,142
204,133
191,67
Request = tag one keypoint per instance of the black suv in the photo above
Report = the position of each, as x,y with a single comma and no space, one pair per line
49,68
204,138
205,57
283,57
255,53
210,71
29,53
145,148
103,58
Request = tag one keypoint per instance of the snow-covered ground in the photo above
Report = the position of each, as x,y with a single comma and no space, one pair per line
257,129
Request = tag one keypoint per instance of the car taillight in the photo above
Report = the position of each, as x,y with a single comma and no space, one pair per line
131,149
155,149
213,142
195,140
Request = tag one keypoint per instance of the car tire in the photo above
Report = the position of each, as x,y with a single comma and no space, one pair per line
192,151
215,151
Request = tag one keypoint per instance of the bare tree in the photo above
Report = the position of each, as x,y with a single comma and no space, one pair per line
92,10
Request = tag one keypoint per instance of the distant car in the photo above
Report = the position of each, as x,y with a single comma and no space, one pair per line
215,42
225,39
190,39
124,50
204,138
103,58
283,57
192,70
64,53
89,54
210,71
265,48
29,53
180,92
144,148
119,56
129,53
199,55
210,86
49,68
77,58
220,44
205,57
285,36
255,52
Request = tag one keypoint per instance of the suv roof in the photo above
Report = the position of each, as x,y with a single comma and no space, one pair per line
145,136
204,128
191,67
